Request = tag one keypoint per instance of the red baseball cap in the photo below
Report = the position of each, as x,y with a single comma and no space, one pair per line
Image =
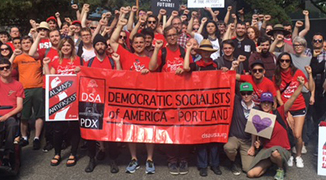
51,18
76,22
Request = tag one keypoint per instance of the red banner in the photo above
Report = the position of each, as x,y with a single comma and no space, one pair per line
61,98
128,106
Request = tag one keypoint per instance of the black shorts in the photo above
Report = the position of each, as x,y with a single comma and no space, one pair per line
298,113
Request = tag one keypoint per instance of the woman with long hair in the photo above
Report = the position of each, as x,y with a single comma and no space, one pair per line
68,63
7,52
253,33
285,80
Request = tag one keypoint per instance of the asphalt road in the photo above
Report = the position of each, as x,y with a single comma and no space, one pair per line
36,166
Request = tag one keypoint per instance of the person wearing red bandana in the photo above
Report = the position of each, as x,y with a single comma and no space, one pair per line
207,154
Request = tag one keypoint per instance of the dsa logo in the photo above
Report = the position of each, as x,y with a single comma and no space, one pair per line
91,115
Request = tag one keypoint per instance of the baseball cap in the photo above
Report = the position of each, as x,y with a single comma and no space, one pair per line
267,97
257,62
246,87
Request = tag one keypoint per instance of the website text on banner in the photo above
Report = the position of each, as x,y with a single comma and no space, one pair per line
157,107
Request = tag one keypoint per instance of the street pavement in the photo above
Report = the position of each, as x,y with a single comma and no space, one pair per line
36,166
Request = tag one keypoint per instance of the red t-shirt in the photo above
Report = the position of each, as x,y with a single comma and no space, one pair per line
159,36
132,62
173,60
279,135
66,67
9,93
265,86
287,78
44,44
52,54
105,64
11,45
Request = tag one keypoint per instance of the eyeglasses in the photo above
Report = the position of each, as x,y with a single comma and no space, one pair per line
171,35
318,40
285,60
85,35
4,67
248,93
257,70
123,37
4,49
151,22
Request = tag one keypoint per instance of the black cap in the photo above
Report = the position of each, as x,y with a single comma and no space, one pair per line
257,62
99,38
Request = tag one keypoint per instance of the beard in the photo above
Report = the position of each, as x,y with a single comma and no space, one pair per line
100,52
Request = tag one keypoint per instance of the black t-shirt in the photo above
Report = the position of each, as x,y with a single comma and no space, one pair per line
244,47
195,67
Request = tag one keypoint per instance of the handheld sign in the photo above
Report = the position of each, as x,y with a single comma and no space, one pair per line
206,3
260,123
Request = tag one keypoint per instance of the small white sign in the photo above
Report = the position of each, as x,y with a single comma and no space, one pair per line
206,3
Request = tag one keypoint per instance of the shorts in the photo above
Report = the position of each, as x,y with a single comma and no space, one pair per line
298,113
34,99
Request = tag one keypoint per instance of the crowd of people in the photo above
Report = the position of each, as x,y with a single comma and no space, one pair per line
276,73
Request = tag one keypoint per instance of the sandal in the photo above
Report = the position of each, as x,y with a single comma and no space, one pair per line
56,158
72,159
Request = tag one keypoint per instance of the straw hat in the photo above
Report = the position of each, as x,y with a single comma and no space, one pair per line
278,27
205,45
43,25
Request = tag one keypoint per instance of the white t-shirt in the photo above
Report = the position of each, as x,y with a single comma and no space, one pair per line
88,54
215,44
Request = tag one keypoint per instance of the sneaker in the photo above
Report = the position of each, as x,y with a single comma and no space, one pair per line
279,174
48,146
23,142
133,166
290,161
304,150
36,144
173,168
235,169
299,162
183,169
150,168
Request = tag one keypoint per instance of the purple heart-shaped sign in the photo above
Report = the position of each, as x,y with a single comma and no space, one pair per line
261,124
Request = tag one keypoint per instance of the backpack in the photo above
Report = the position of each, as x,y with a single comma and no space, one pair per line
164,52
287,128
90,62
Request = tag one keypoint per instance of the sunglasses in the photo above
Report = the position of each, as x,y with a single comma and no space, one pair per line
318,40
285,60
297,45
123,37
42,29
151,22
257,70
92,27
4,49
195,29
3,68
248,93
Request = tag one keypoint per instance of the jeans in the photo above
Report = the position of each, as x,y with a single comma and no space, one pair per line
207,154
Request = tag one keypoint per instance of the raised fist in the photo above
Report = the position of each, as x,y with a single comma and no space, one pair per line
229,8
241,11
115,56
186,12
57,14
134,9
305,12
204,20
18,52
208,9
189,46
280,37
301,80
299,24
122,22
162,11
183,7
74,6
233,16
46,60
175,13
216,13
241,58
308,69
158,44
267,17
194,14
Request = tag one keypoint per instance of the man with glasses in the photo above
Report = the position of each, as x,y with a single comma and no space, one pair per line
85,48
238,138
243,45
259,82
12,93
182,37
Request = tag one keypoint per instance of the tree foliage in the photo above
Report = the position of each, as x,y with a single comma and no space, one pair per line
278,9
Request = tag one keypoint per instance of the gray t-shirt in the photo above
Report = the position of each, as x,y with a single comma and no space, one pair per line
300,63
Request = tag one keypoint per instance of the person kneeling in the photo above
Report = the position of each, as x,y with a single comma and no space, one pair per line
275,150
